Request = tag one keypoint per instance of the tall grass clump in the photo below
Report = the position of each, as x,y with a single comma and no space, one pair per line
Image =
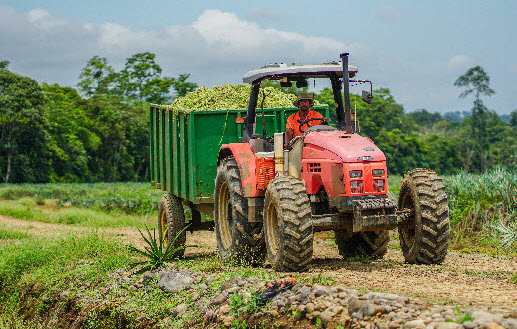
130,198
48,260
484,205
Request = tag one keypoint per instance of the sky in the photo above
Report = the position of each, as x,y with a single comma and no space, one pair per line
417,49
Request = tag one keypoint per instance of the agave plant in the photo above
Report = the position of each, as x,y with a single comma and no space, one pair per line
507,233
156,251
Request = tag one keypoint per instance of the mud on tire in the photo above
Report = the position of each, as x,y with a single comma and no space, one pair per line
372,245
237,240
288,224
171,220
424,235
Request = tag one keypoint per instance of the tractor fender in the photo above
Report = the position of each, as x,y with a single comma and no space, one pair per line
247,165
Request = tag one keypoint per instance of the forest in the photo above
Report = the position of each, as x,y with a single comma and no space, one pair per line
98,131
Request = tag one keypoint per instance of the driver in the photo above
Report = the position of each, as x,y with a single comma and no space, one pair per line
304,103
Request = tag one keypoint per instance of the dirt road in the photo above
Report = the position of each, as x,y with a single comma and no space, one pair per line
467,279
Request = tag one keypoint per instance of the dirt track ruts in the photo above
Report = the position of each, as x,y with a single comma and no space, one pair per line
473,279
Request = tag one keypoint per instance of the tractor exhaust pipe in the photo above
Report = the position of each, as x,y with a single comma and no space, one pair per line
346,92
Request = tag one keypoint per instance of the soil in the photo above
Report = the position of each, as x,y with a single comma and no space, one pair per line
469,279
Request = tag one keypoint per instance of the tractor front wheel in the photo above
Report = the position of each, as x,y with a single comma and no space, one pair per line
288,224
424,234
237,239
171,220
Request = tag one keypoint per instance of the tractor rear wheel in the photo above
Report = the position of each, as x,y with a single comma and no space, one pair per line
424,235
237,239
171,220
288,224
372,245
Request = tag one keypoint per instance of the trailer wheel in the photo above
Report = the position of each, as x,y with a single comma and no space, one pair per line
424,235
288,224
372,245
237,240
171,220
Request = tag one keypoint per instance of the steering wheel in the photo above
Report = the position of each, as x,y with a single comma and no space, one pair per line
306,122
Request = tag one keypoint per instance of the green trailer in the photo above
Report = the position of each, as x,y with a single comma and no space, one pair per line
184,149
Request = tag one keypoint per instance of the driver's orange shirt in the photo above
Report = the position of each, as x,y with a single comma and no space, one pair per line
293,121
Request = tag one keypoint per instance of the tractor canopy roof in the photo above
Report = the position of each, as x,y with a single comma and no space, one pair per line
296,72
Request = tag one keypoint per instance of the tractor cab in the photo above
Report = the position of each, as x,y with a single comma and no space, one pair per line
290,75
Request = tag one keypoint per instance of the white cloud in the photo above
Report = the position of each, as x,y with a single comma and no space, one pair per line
42,19
460,62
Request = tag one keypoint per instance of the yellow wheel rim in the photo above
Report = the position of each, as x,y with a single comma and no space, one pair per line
272,228
163,223
224,216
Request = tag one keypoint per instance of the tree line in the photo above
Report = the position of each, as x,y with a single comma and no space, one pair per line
98,132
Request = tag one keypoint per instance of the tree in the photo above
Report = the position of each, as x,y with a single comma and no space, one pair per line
424,118
513,119
97,77
141,79
4,64
476,81
21,114
183,87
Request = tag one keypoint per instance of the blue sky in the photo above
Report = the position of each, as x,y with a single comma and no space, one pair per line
415,48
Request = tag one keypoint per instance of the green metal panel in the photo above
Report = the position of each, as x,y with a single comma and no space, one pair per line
175,157
163,175
185,146
182,156
168,150
151,146
157,148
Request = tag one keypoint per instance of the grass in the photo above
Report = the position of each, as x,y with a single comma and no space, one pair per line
10,234
483,210
130,198
27,209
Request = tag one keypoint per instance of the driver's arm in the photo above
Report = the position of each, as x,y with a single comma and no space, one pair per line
288,136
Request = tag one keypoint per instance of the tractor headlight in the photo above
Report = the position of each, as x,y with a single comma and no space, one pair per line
356,174
378,172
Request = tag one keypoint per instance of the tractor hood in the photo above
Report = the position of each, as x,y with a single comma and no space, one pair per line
349,147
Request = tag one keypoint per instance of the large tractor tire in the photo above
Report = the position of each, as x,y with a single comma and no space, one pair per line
424,235
288,224
237,240
171,220
372,245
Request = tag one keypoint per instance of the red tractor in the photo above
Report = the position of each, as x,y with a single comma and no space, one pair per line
271,199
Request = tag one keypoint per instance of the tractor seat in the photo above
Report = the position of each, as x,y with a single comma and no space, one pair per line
320,128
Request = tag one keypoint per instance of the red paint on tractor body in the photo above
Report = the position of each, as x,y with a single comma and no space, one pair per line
247,166
330,156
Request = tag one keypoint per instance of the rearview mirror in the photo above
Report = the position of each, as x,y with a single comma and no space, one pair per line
286,84
367,97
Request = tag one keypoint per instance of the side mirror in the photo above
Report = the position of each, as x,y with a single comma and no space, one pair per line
367,97
286,84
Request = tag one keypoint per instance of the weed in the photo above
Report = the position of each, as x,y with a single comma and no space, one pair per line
321,279
506,233
239,324
155,250
513,279
237,302
461,318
